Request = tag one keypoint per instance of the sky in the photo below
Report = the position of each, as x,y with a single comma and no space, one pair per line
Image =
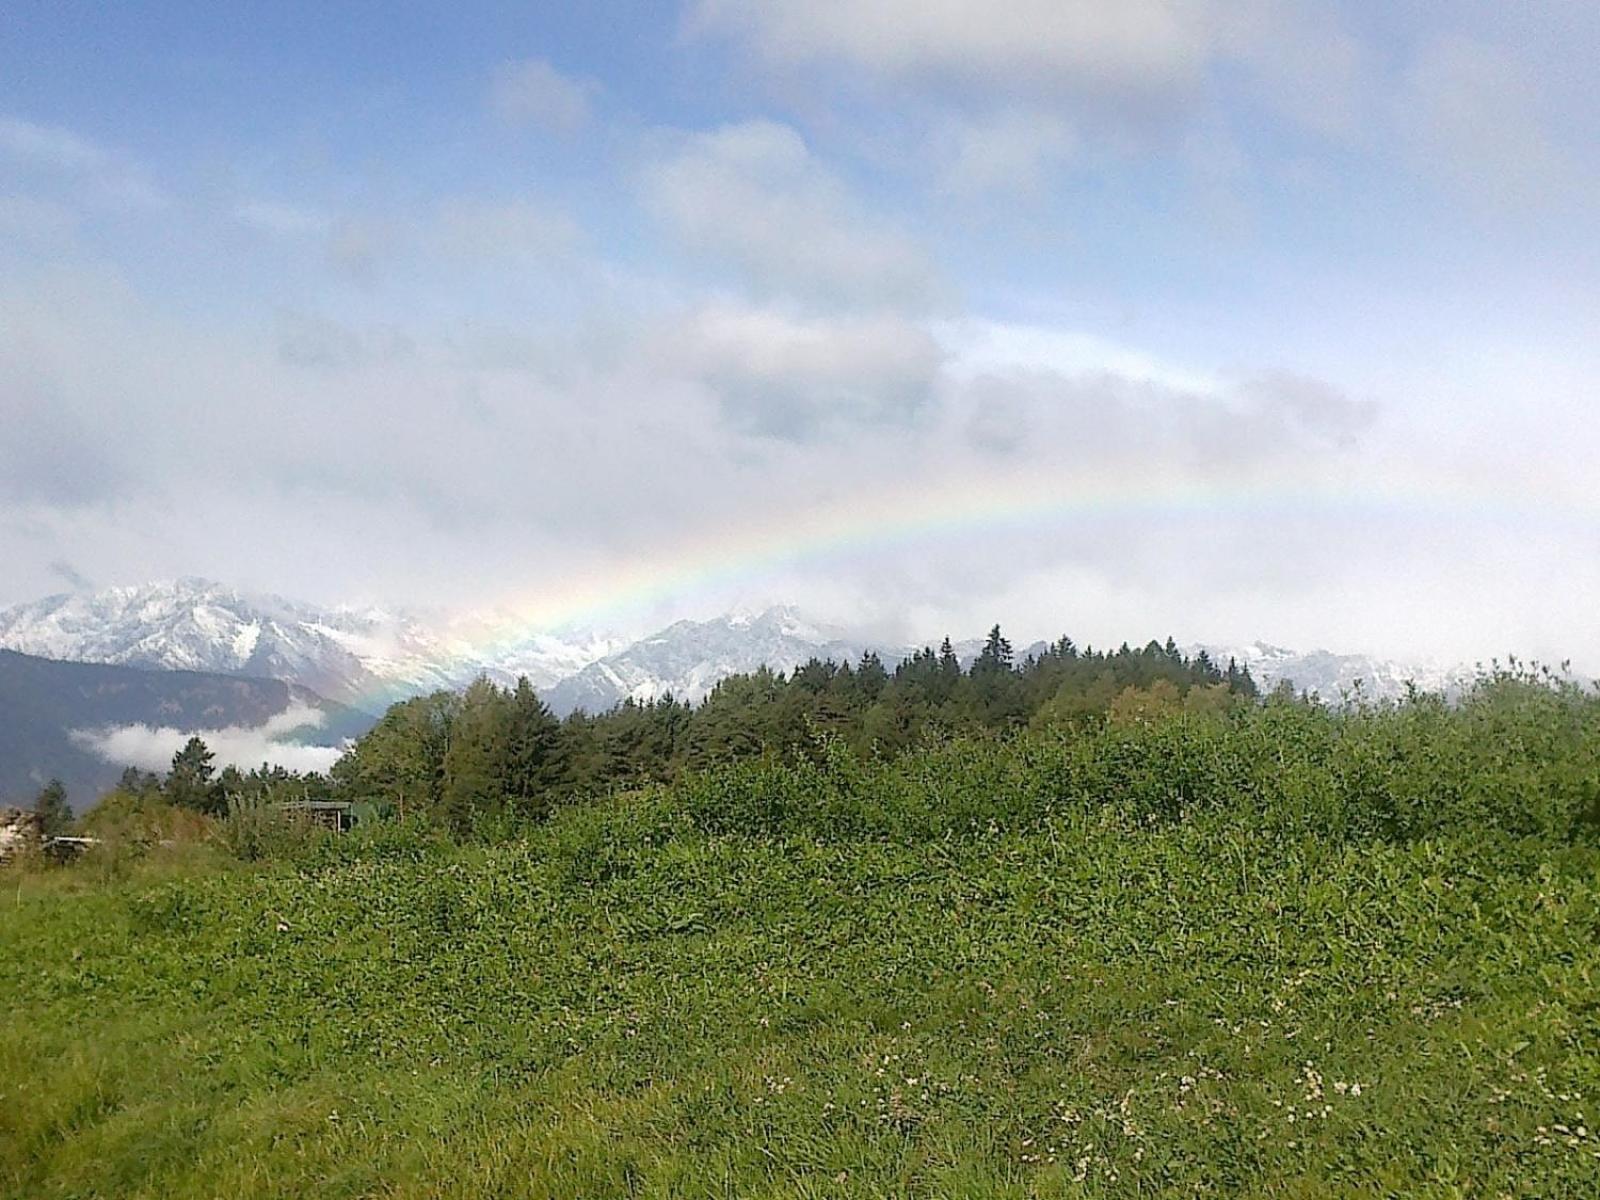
1229,319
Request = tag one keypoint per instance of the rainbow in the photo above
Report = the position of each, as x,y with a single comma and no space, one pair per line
741,551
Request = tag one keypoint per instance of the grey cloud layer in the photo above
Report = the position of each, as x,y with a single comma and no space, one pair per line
469,393
1014,89
754,196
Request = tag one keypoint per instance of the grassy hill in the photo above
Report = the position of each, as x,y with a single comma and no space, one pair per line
1285,953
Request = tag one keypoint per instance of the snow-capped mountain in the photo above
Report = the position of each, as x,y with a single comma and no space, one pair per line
1334,676
689,657
364,657
369,657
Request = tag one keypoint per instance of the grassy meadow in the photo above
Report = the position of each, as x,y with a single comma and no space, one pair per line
1279,952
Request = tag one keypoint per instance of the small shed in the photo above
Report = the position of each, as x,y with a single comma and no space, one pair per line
64,848
337,815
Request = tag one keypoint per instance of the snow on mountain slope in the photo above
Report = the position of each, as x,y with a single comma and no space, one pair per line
364,657
1333,676
369,657
688,658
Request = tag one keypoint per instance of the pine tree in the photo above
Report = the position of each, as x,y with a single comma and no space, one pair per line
55,814
996,654
189,782
535,765
871,678
949,664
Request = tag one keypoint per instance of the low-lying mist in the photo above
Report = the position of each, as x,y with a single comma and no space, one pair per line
150,748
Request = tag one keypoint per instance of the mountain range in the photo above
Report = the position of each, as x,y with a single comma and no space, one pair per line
350,663
365,657
369,657
1335,676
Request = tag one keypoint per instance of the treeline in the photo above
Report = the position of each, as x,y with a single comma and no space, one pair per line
490,752
194,783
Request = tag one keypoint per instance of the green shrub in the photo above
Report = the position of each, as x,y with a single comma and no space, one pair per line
257,828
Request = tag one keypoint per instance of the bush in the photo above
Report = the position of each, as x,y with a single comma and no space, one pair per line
257,828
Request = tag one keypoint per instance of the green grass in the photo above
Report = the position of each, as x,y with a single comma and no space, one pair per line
1106,998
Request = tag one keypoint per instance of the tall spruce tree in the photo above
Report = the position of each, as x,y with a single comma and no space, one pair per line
189,784
871,678
535,765
996,653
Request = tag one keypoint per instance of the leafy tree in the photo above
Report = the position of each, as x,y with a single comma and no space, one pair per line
55,814
189,783
1146,706
475,762
400,762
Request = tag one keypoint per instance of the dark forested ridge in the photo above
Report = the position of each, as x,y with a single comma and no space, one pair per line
43,701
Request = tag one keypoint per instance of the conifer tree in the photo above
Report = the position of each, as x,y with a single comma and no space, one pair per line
189,784
534,760
871,678
996,654
55,814
949,664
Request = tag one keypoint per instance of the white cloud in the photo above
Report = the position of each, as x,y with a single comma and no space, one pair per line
507,235
1133,46
111,177
1102,417
534,92
151,748
982,347
753,195
1011,150
1132,58
791,377
422,471
55,147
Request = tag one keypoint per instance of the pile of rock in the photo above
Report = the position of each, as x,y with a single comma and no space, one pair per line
20,832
